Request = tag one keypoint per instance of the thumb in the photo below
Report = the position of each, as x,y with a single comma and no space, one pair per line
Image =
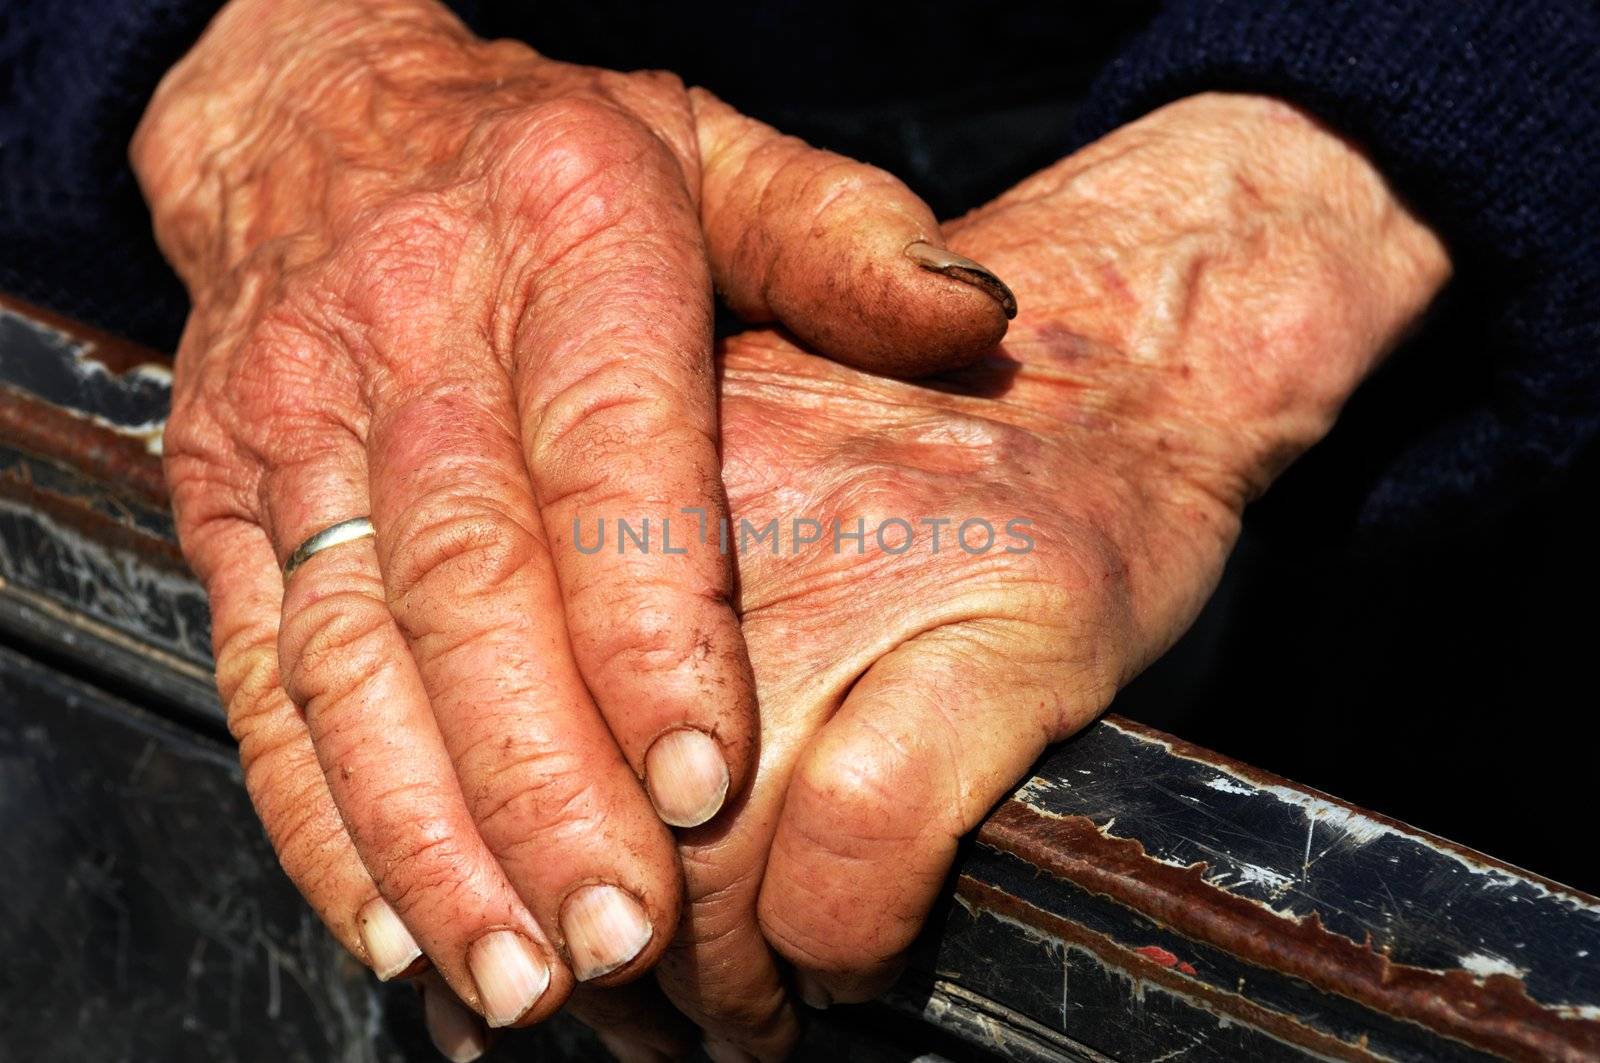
840,253
925,744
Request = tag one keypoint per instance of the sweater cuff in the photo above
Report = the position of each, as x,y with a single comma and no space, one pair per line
73,232
1484,117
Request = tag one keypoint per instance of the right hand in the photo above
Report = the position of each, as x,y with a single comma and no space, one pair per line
1201,290
467,290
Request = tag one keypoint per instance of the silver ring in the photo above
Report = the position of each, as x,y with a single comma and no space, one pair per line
346,531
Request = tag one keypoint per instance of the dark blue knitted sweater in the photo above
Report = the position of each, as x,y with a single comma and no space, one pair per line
1484,113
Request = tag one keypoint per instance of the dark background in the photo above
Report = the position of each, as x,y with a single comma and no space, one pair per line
1436,672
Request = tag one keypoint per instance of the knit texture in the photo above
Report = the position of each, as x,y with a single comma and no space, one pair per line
1485,116
75,76
74,233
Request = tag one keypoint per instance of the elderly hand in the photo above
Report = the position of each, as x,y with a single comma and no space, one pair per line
1200,291
467,290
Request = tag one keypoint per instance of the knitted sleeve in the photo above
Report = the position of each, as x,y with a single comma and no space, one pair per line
75,76
1485,115
74,234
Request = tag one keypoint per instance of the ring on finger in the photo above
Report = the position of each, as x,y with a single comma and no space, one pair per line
346,531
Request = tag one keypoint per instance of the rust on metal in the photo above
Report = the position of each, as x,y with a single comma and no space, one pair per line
1494,1014
114,352
110,457
1142,965
161,553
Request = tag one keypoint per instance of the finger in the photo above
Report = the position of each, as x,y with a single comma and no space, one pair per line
844,255
471,584
615,389
720,971
929,739
635,1022
627,1050
235,562
345,664
455,1031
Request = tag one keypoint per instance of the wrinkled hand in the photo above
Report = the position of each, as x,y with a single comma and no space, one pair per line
1200,291
467,290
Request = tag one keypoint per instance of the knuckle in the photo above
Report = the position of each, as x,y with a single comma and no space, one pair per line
248,684
725,995
293,378
866,795
842,815
610,418
829,181
875,498
555,148
574,168
807,941
531,792
758,1014
535,797
397,256
451,552
333,647
579,122
578,139
721,895
192,440
962,443
300,836
644,634
211,501
286,788
1083,593
420,865
612,411
663,84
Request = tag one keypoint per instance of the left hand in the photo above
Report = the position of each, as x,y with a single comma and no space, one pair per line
464,290
1200,292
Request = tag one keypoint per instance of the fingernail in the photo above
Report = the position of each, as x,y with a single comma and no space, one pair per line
724,1052
390,946
686,776
964,269
811,991
510,975
605,928
456,1032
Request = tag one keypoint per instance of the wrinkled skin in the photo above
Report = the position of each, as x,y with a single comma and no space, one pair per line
1200,292
467,290
423,316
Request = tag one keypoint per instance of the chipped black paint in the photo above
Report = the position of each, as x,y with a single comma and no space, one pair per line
146,825
1423,901
65,370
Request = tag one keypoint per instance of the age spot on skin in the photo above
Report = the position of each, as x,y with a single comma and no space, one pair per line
1116,284
1056,342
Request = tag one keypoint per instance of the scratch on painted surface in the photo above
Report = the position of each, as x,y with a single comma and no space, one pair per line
1483,965
1357,828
